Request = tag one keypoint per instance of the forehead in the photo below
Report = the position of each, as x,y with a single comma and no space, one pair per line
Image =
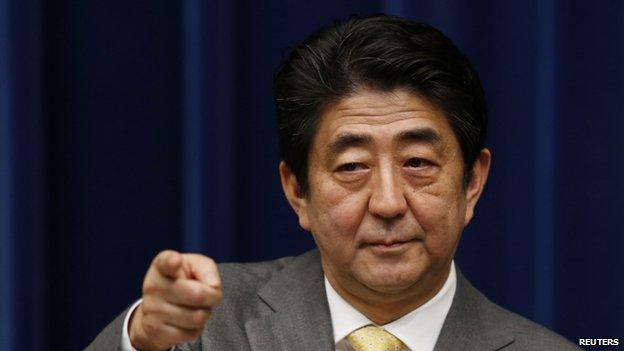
382,117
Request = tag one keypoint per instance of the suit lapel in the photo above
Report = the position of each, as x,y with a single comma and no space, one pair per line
465,327
300,318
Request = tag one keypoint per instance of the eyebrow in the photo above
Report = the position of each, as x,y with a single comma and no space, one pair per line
426,135
345,141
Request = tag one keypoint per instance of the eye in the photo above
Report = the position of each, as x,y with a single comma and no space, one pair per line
350,167
416,162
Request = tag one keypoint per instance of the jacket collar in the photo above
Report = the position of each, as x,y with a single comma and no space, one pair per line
301,319
471,323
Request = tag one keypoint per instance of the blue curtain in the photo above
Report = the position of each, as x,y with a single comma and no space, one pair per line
22,190
131,127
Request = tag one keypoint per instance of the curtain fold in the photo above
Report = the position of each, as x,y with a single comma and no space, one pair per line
22,172
209,135
545,162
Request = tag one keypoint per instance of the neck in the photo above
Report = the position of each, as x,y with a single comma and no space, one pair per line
382,308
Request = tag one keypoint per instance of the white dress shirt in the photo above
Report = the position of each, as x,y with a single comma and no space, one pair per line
418,330
126,345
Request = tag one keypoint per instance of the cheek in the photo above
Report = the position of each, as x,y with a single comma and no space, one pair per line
335,216
340,212
440,213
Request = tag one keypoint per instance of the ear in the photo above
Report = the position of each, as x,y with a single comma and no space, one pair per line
292,190
480,171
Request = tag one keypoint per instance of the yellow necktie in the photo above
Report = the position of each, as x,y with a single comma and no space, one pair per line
372,338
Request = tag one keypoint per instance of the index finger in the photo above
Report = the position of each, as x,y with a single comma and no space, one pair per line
169,263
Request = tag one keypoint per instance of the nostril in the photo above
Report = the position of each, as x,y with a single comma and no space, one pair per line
387,199
388,207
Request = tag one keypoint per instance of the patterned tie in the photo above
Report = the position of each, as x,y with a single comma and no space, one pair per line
372,338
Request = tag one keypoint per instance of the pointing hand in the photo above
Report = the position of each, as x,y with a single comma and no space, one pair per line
179,292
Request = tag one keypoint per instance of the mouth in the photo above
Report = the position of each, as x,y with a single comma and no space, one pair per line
389,245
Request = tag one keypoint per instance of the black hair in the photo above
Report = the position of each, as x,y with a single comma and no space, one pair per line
383,53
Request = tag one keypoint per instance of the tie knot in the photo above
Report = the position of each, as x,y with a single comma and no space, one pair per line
372,338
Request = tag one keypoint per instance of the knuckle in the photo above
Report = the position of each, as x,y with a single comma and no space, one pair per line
150,287
198,318
196,295
149,310
147,306
150,306
152,328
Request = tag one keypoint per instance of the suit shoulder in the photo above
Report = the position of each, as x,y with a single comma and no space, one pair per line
255,274
240,283
505,329
528,335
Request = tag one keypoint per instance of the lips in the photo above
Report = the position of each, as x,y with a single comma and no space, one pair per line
389,242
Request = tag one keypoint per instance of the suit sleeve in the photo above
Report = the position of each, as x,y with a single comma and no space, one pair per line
115,337
110,338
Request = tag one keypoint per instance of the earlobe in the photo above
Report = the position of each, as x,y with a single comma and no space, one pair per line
480,171
293,193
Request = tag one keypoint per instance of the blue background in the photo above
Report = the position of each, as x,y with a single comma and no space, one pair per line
128,127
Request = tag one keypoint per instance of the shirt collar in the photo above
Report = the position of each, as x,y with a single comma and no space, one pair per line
419,329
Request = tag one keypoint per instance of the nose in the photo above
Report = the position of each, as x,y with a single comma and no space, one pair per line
387,199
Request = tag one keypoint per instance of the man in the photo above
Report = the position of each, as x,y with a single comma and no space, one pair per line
382,125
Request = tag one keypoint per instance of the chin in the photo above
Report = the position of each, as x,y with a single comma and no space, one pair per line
391,282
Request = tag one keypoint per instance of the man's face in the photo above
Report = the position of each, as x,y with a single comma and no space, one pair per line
386,204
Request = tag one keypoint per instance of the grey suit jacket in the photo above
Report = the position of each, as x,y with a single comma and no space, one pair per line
281,305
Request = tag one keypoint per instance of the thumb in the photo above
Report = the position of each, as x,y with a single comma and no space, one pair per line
203,269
